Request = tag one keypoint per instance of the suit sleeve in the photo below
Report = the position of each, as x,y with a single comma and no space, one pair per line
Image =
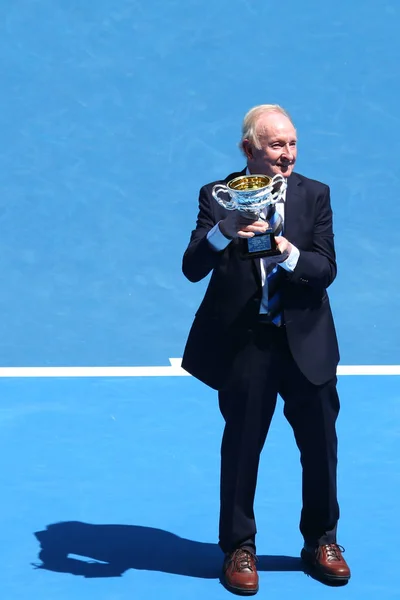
200,258
317,267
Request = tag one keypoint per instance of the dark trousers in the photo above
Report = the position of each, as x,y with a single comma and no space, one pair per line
262,369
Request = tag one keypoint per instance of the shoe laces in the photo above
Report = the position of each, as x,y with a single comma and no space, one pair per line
244,560
333,552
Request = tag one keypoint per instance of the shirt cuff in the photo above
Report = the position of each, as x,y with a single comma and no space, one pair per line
290,263
216,239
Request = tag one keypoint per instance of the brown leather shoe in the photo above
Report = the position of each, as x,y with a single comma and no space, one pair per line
328,562
240,573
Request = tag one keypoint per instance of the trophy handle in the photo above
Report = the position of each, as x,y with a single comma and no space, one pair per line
228,204
278,193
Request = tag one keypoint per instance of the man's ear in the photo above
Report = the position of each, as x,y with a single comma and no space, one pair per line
247,148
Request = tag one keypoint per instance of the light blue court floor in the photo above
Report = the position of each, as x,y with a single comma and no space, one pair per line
116,482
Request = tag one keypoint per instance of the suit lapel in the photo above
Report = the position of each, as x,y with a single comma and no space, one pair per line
293,203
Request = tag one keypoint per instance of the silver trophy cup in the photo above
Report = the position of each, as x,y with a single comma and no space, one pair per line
253,194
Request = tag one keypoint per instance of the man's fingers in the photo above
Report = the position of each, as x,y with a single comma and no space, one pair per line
255,227
281,242
245,234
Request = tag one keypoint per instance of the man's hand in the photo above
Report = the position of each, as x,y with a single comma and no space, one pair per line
238,224
284,246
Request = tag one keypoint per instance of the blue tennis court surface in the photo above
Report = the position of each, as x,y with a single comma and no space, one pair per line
112,116
120,477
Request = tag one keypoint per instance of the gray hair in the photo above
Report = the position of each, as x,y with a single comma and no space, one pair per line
249,126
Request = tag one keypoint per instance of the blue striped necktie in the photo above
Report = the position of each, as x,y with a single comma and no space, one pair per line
274,273
274,219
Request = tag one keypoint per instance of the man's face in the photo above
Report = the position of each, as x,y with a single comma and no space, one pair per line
278,151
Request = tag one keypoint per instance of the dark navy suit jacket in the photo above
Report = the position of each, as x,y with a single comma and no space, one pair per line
229,310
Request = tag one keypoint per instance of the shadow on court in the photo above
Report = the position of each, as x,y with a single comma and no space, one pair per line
113,549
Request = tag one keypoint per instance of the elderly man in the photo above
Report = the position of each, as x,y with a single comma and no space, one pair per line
265,328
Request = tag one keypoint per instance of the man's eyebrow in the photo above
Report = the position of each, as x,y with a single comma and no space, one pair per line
279,139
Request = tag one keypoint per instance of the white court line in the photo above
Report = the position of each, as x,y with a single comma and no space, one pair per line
173,370
368,370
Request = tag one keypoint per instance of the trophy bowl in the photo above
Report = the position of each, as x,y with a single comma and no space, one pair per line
252,194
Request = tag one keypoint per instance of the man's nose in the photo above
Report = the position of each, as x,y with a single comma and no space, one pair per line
287,152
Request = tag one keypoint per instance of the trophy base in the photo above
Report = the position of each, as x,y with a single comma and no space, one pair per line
259,246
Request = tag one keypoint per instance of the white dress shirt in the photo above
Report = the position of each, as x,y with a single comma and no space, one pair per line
219,242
